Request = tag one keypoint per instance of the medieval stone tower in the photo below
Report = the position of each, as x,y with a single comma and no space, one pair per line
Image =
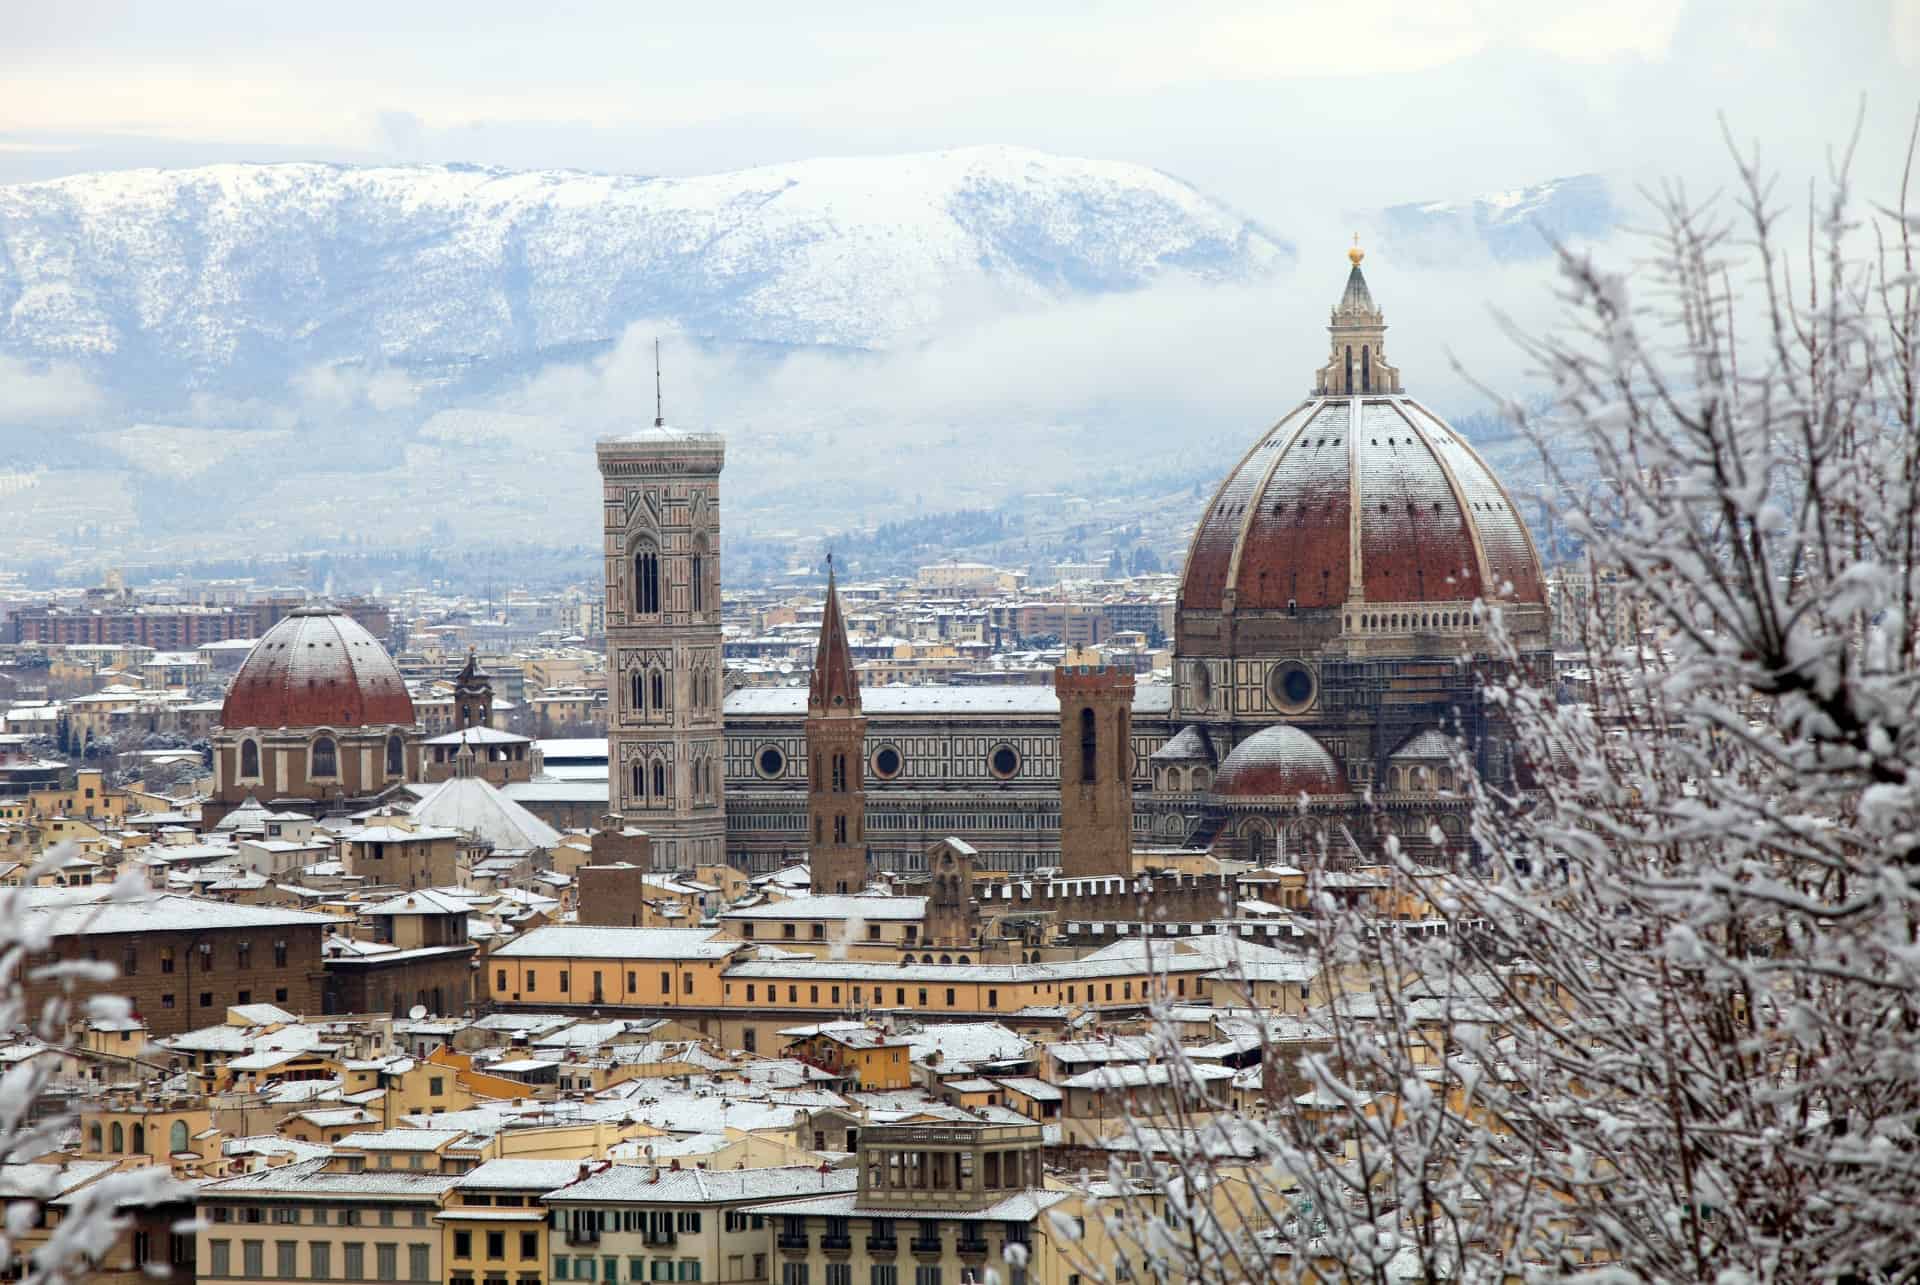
953,918
472,696
665,747
1096,770
836,760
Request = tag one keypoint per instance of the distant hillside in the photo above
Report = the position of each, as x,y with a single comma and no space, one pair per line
234,276
1520,223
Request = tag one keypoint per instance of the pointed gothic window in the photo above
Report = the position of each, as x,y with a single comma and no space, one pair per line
249,758
646,581
1089,745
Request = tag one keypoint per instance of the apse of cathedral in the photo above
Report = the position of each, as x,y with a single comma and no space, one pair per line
1330,660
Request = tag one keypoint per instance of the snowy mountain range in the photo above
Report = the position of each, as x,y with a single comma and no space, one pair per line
1521,223
442,343
239,274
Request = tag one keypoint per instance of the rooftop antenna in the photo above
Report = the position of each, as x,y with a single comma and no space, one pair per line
659,415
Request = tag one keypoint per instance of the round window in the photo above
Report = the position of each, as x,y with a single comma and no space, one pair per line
1291,686
1004,761
886,762
770,761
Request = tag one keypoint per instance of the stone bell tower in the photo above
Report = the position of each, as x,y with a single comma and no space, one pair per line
1096,770
472,695
665,744
836,759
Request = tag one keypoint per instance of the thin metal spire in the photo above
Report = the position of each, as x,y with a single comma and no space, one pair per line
659,415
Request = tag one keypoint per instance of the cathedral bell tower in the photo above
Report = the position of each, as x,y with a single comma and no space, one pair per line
836,759
665,739
1358,330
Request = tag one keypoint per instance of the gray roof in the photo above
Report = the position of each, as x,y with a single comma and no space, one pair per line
519,1175
1191,745
1008,698
478,736
1020,1207
576,941
837,907
475,807
652,1184
90,910
308,1180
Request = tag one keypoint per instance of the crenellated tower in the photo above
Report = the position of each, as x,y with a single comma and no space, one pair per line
836,759
1096,769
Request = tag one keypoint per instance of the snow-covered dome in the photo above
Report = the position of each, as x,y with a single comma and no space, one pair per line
1360,496
317,668
1279,760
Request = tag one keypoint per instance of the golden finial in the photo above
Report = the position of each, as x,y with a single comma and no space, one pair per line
1356,253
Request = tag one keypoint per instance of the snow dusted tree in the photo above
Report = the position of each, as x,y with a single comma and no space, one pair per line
33,1123
1671,1029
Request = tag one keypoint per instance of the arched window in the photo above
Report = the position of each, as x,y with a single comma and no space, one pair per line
93,1137
1089,745
1349,387
396,756
249,758
1366,370
646,581
659,691
177,1136
139,1139
118,1138
639,781
639,693
326,758
660,781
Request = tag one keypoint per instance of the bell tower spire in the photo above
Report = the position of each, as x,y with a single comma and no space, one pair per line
1358,330
836,758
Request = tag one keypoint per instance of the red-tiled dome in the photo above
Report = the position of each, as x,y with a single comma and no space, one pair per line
317,668
1434,524
1279,760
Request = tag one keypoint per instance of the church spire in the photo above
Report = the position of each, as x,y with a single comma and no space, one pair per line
835,686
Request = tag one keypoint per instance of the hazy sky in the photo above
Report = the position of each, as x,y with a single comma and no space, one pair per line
1270,106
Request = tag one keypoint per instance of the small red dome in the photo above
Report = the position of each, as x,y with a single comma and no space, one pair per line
1280,760
317,668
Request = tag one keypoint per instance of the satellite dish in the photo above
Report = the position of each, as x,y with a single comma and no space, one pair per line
417,1012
